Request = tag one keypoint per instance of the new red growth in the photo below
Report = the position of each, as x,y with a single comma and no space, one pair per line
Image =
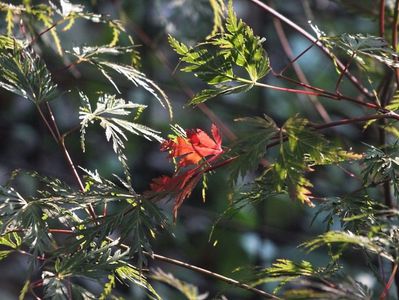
196,154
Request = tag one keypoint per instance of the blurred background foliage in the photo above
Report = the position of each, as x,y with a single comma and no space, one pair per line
256,236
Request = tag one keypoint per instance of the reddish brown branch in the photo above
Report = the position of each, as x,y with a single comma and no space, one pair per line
382,18
301,75
389,283
355,120
213,275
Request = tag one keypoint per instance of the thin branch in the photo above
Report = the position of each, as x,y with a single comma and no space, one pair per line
202,271
315,92
297,57
289,90
382,18
395,34
61,142
44,119
34,40
213,275
341,75
355,120
390,115
62,231
301,75
311,38
57,131
390,281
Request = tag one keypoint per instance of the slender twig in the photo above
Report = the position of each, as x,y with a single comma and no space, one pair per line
295,91
213,275
72,130
341,75
61,142
355,120
301,75
44,119
57,131
31,255
55,24
62,231
389,283
390,115
297,57
311,38
395,34
382,18
180,263
322,93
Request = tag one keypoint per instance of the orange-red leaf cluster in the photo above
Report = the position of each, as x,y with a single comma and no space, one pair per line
196,154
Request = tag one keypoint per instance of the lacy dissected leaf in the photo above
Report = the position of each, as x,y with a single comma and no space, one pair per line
188,290
284,271
218,8
301,280
382,165
356,45
94,56
10,21
11,241
224,58
95,263
108,287
19,212
303,149
49,17
252,146
249,195
377,245
394,103
314,283
63,207
24,291
357,213
134,220
111,113
23,73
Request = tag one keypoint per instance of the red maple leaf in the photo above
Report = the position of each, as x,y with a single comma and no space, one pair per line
197,145
197,151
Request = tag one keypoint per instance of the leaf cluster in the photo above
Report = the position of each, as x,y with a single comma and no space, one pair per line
224,58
